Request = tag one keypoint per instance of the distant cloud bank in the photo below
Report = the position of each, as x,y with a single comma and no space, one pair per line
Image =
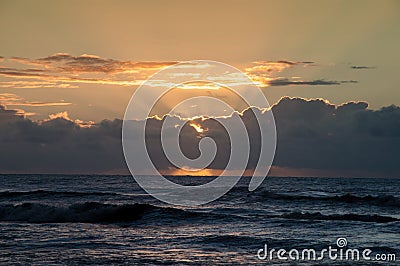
312,134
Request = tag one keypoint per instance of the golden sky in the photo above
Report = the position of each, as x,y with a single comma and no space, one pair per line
87,57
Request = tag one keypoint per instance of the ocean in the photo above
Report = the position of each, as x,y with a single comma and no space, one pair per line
110,220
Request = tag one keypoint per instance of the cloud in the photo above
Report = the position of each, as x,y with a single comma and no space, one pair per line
312,134
57,145
63,62
7,116
285,82
11,99
65,116
57,81
268,82
264,67
63,70
29,84
263,73
362,67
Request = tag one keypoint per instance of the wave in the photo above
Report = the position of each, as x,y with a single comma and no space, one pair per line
382,200
41,192
88,212
339,217
96,212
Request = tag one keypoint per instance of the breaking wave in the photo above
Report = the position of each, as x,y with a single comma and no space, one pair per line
88,212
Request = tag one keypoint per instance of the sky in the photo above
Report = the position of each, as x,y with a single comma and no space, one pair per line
81,61
334,35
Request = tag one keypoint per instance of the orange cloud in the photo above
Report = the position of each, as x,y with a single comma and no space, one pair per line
11,99
65,116
62,62
63,70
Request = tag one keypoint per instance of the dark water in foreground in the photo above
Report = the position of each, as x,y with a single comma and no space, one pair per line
101,220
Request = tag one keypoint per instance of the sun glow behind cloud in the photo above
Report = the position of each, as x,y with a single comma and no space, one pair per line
197,127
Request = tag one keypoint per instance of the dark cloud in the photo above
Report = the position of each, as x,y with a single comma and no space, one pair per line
285,62
348,81
312,134
292,63
316,134
58,145
285,82
7,116
362,67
